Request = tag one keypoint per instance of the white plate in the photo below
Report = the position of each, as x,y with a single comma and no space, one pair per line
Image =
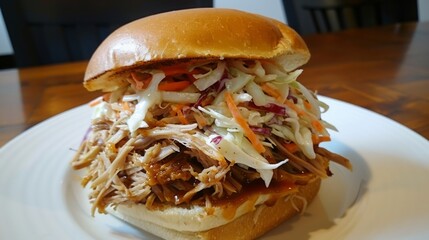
386,196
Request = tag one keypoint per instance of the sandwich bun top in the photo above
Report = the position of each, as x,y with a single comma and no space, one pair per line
192,34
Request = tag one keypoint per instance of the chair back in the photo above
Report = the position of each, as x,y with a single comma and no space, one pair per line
53,31
336,15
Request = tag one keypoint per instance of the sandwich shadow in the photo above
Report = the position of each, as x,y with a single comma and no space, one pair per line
336,197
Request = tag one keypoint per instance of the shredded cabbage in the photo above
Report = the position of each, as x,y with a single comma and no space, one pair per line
179,97
234,84
257,68
205,81
288,77
146,99
315,109
220,120
103,110
235,153
259,97
324,106
283,132
242,97
254,118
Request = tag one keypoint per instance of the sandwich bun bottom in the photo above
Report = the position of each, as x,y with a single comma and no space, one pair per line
249,225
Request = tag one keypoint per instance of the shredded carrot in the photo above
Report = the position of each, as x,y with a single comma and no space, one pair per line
243,123
173,86
177,108
307,105
315,138
271,91
291,147
324,138
175,70
95,102
317,125
318,139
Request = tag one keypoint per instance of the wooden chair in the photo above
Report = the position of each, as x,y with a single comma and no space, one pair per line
54,31
336,15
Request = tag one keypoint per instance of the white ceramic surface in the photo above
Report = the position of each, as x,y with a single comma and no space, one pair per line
385,197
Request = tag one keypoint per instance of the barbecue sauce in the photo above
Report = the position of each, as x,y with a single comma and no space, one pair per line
249,195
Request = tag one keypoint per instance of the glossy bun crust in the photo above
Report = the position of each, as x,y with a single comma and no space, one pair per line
192,34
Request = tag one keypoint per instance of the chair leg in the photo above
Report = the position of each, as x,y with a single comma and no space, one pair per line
378,13
358,16
315,22
326,21
340,17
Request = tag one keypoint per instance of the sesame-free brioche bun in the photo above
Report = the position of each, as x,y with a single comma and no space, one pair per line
192,34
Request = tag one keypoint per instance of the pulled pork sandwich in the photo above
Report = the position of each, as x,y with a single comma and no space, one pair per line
204,131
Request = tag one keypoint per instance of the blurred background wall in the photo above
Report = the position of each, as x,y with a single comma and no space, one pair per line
5,46
271,8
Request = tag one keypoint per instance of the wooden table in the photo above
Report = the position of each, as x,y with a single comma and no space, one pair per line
384,69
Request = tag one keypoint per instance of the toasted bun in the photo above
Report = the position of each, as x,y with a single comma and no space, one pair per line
252,218
193,34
